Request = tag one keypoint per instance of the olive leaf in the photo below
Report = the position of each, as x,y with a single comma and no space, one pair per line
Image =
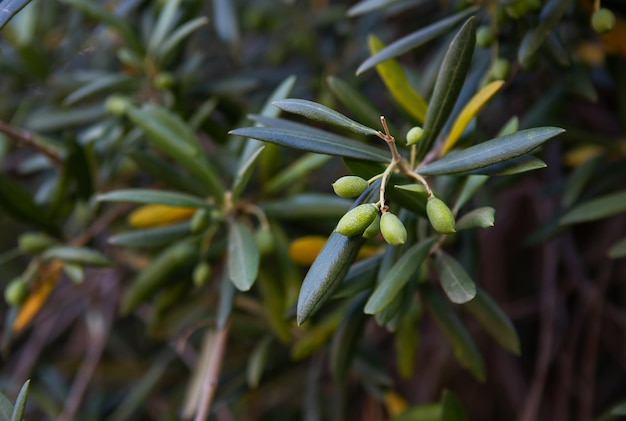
455,281
159,197
346,338
490,152
397,277
594,209
151,237
319,112
20,403
243,256
449,83
77,255
477,218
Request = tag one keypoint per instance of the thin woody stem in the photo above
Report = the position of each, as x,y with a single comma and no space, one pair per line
27,138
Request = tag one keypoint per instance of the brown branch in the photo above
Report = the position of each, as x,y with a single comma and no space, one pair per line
27,138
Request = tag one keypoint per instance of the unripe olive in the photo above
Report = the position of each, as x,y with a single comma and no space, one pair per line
602,20
16,292
440,216
200,221
414,135
117,105
264,240
35,242
350,186
392,229
373,228
357,220
500,69
164,80
484,36
201,273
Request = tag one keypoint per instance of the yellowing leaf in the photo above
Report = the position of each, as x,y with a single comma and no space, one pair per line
157,215
303,250
396,81
47,279
469,111
394,403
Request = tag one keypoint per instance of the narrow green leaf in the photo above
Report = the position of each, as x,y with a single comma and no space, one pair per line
316,142
226,301
307,206
225,21
517,165
160,197
151,237
449,83
6,408
295,171
329,268
165,23
477,218
103,83
257,362
451,408
9,9
243,256
20,403
366,6
494,320
318,335
356,102
158,272
173,41
598,208
398,276
314,111
76,255
490,152
99,12
455,281
406,341
174,137
463,345
550,16
244,173
50,120
414,40
346,338
618,249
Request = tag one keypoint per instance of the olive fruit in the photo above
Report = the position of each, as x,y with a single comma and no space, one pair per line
16,292
117,105
484,36
602,20
414,135
201,273
350,186
392,229
264,240
200,221
500,69
373,228
357,220
440,216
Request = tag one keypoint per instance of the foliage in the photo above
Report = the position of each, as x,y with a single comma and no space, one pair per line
172,222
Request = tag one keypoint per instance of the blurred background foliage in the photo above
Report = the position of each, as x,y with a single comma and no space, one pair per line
76,78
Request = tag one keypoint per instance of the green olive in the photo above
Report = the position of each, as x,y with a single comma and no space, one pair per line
602,20
485,36
16,292
357,220
350,186
440,216
392,229
414,135
201,273
373,228
500,69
